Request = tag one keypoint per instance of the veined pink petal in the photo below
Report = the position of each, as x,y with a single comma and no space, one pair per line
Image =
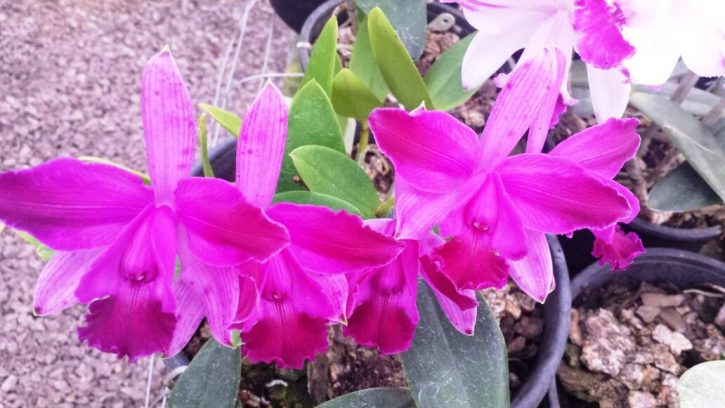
599,25
332,242
609,90
260,148
386,313
522,102
418,211
56,286
459,306
290,323
557,196
69,205
337,290
430,149
189,315
618,249
169,125
223,228
603,148
534,273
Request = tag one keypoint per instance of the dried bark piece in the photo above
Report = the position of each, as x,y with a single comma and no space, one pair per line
648,313
662,300
674,319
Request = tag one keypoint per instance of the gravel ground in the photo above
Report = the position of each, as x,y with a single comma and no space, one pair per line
69,86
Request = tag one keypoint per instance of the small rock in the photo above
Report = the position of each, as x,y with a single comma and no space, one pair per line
608,343
516,345
664,360
675,341
641,399
673,319
575,331
9,384
648,313
719,320
662,300
529,327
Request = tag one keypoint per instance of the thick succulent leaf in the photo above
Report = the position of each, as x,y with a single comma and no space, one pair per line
228,120
702,385
210,380
448,369
373,398
444,78
682,190
351,97
323,60
312,121
310,197
408,17
691,137
330,172
362,61
398,68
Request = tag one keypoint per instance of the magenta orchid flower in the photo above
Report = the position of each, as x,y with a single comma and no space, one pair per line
117,240
384,311
591,27
301,289
495,209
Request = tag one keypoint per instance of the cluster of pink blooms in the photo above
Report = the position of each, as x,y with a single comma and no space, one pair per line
152,262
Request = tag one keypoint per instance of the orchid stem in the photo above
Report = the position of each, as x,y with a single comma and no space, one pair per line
717,112
683,89
385,207
206,166
362,146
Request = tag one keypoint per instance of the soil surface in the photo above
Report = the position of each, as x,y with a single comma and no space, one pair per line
629,343
70,86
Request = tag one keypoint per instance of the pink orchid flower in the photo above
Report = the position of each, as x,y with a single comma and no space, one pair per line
384,311
495,208
591,27
117,240
302,289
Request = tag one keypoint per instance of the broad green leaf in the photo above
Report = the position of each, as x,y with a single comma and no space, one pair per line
101,160
703,386
408,18
210,380
398,69
229,120
41,250
312,121
362,61
444,77
351,98
330,172
682,190
373,398
696,142
309,197
448,369
323,60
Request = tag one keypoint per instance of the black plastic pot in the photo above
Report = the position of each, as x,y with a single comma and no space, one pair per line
316,21
295,12
684,269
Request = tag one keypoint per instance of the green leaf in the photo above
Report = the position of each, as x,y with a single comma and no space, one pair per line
92,159
312,121
362,61
41,250
703,385
696,142
373,398
229,120
447,369
398,69
444,77
322,63
351,97
309,197
330,172
204,147
681,190
408,18
210,380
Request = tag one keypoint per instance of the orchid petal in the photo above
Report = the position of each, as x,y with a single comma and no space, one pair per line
333,242
169,125
609,90
653,65
69,205
260,148
603,148
290,323
615,247
386,313
599,27
418,211
189,315
55,289
470,262
429,149
459,306
223,228
557,196
534,273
